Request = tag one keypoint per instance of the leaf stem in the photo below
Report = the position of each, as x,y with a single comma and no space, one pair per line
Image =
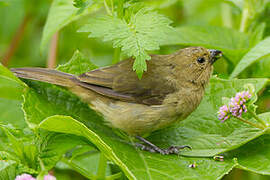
51,61
112,6
244,20
114,176
15,41
116,56
102,165
226,15
107,8
250,123
258,119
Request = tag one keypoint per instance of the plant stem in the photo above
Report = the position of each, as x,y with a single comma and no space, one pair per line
107,8
112,6
250,123
258,119
51,61
226,15
244,20
116,56
102,165
114,176
15,41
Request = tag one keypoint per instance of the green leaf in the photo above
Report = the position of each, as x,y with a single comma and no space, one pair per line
207,138
255,155
10,86
11,113
53,145
137,164
256,53
232,43
62,13
78,65
145,31
7,169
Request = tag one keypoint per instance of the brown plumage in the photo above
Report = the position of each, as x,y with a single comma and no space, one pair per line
170,90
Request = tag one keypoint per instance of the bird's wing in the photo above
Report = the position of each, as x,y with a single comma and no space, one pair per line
121,82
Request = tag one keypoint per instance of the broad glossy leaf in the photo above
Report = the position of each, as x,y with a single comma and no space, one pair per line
62,13
63,112
255,54
137,164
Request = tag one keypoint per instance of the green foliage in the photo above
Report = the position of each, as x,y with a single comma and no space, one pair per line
62,13
143,32
259,51
45,127
73,67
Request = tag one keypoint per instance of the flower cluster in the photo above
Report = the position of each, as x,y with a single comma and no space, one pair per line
235,107
29,177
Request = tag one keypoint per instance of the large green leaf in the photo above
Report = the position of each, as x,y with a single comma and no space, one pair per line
256,53
63,12
207,138
255,155
137,164
60,111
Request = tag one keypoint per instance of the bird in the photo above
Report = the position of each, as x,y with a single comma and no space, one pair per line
168,92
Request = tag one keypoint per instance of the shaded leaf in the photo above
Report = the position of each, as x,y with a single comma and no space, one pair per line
255,54
62,13
232,43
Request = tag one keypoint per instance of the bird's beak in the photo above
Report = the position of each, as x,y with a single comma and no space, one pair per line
215,55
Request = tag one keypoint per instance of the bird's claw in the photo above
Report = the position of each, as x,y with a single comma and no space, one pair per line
170,150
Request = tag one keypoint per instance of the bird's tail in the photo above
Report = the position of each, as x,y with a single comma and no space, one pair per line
45,75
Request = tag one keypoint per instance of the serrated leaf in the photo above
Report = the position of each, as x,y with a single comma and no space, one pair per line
255,54
62,13
144,32
78,65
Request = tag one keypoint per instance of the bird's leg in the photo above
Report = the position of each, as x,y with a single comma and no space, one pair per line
153,148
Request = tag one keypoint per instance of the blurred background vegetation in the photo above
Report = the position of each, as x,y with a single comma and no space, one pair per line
22,23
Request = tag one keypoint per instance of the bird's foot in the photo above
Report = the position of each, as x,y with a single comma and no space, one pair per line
170,150
154,149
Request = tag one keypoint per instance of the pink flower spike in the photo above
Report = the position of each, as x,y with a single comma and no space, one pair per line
49,177
25,177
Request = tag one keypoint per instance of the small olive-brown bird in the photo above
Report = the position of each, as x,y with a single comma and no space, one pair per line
169,91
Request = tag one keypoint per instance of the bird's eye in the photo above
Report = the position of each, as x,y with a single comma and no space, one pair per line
201,60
